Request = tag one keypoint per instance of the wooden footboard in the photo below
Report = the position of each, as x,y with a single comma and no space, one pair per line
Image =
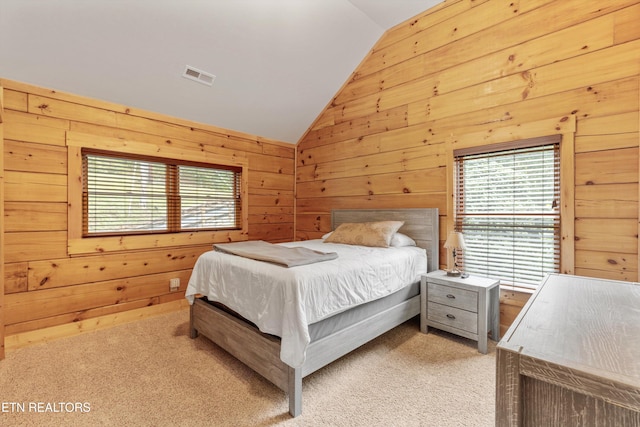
261,352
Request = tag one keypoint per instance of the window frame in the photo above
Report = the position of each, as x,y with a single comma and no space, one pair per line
500,149
77,244
171,192
474,136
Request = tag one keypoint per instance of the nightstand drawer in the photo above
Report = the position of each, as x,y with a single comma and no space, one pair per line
454,317
453,297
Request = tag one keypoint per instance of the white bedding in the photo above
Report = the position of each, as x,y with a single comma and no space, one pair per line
284,301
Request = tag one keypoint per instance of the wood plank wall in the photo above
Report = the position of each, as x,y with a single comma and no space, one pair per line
484,71
2,309
48,292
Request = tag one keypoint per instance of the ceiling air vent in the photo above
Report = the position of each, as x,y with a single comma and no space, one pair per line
199,76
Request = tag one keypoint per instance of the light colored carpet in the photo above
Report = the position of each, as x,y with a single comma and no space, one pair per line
150,373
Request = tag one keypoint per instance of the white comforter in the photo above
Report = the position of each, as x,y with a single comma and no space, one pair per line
284,301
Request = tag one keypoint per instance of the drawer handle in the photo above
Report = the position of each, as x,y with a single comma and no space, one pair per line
451,316
450,296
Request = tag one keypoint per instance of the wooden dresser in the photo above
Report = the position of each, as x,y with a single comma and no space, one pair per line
572,356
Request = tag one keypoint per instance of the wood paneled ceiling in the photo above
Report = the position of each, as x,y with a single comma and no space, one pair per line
277,62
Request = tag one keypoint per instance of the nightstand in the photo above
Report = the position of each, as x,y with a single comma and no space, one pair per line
467,307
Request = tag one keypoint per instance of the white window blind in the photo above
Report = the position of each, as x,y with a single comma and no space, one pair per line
210,198
129,195
507,207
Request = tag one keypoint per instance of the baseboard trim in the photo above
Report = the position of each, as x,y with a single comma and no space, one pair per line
40,336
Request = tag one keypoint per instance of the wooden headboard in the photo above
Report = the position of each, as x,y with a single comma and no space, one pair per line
421,225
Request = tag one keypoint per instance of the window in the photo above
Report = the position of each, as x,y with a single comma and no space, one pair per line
127,194
508,208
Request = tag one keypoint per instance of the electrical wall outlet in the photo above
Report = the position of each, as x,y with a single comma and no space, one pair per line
174,284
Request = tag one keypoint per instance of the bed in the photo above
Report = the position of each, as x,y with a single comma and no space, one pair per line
326,336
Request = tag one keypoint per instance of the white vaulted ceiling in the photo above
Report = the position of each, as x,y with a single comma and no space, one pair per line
277,63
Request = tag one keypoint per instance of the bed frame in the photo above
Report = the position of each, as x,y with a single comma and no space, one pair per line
261,352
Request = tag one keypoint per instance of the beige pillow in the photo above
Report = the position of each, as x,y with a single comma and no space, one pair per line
376,234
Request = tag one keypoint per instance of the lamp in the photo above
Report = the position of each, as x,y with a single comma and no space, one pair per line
455,241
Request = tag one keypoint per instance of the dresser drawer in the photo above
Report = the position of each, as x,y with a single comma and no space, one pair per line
453,297
453,317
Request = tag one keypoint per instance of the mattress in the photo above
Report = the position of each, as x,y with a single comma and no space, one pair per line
285,301
340,321
354,315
